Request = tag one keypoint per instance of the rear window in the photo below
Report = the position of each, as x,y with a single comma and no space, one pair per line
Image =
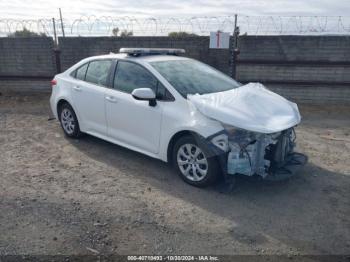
80,72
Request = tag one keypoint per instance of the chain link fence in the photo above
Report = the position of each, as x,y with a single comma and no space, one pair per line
250,25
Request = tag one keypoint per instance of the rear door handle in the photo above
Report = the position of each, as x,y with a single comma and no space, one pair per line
111,99
77,88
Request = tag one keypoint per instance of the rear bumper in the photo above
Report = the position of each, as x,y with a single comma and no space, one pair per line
53,106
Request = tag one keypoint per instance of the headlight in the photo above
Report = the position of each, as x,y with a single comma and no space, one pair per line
221,141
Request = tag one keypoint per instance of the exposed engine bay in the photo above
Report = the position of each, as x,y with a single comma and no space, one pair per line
250,153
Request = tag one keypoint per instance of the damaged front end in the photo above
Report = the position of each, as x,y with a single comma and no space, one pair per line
270,156
258,136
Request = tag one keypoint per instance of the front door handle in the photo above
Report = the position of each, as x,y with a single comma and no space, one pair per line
77,88
111,99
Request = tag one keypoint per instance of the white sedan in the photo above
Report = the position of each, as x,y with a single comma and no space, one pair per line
179,110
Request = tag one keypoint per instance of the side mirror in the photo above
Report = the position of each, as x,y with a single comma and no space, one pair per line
145,94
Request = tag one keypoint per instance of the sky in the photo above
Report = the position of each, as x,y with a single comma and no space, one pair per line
37,9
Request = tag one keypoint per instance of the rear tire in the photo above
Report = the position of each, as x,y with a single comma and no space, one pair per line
192,164
69,121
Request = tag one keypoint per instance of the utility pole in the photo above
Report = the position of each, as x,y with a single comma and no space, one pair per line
54,30
56,49
235,49
61,23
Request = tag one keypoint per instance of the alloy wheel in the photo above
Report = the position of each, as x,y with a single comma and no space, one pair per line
192,162
67,120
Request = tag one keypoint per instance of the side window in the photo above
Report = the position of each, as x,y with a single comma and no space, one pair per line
97,72
81,71
130,76
163,93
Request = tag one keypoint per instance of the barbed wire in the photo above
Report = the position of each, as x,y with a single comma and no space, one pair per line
251,25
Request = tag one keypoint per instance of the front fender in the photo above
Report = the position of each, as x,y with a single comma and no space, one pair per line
201,136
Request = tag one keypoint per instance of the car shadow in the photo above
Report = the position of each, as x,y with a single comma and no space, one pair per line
309,211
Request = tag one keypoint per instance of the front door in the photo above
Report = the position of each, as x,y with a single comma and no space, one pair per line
131,121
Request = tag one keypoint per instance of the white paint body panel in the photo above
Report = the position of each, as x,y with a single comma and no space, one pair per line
129,122
90,102
132,121
119,118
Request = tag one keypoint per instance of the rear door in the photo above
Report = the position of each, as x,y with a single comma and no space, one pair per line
130,121
88,95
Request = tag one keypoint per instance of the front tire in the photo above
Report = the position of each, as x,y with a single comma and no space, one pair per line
69,121
192,164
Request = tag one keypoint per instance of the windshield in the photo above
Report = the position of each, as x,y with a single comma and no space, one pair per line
193,77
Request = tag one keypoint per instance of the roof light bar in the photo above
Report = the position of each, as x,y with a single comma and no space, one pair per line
151,51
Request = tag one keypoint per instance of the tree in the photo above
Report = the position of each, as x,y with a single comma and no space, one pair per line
115,31
124,33
26,33
181,34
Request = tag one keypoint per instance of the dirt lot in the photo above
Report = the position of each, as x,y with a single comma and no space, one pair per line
63,196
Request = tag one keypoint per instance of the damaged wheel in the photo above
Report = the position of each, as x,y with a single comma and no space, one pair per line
193,164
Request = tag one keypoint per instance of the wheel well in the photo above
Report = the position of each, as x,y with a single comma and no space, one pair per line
173,141
59,104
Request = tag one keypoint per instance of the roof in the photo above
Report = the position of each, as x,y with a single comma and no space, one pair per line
151,51
145,58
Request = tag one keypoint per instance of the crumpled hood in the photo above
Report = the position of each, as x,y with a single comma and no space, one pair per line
251,107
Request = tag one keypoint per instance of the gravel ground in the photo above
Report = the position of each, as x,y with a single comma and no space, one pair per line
64,196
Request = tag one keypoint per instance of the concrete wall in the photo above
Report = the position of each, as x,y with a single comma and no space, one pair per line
317,59
27,87
303,68
74,49
295,48
26,57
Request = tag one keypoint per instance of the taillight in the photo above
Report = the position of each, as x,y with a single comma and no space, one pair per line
53,82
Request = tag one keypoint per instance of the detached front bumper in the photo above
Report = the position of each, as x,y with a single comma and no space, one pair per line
293,163
271,157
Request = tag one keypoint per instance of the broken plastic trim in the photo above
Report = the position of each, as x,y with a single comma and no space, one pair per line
250,153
